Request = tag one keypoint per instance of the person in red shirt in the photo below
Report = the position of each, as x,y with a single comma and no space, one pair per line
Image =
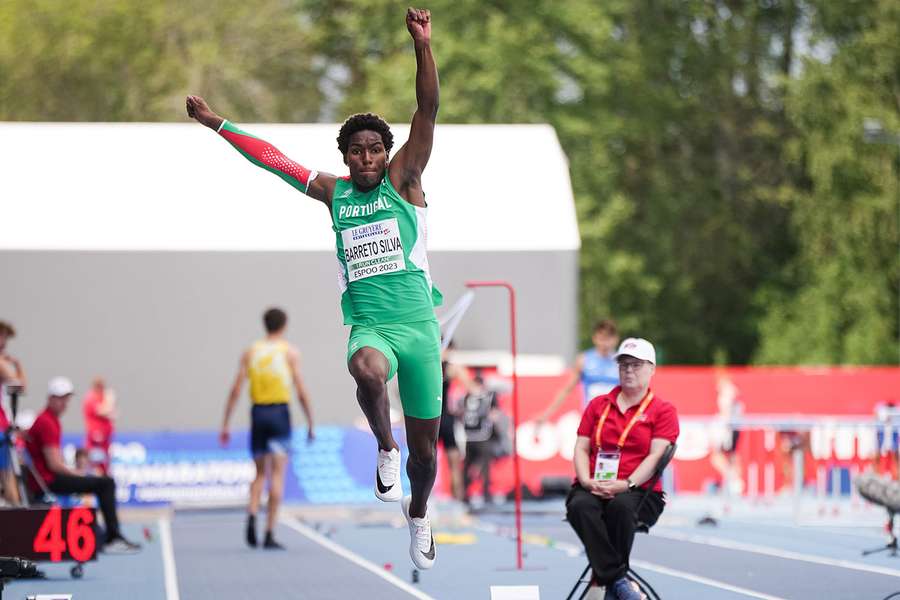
43,444
621,438
99,407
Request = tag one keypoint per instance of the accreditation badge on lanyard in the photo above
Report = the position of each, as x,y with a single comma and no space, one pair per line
606,465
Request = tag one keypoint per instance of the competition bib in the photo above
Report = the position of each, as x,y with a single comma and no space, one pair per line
606,466
373,249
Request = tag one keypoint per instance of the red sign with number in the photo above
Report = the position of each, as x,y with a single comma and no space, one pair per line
49,534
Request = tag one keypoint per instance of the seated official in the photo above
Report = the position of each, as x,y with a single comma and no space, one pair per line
621,438
43,444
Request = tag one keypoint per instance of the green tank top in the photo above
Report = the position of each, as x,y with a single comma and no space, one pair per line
380,239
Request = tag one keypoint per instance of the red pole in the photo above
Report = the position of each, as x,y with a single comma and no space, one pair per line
515,403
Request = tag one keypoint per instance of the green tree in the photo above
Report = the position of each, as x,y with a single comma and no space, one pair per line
129,60
840,302
682,221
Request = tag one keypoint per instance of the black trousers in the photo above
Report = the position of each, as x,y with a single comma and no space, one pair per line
606,527
479,456
102,487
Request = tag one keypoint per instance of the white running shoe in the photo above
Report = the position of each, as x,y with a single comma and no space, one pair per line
120,545
421,541
387,476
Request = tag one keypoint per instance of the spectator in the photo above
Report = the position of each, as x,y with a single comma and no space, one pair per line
100,411
725,458
12,380
479,413
82,462
43,445
595,369
621,438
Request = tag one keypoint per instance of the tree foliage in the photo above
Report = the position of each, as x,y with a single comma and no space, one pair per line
841,301
729,206
128,60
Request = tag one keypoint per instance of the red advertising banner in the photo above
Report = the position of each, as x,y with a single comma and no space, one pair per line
835,411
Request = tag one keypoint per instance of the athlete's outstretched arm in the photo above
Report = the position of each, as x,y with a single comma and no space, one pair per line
224,435
263,154
407,165
561,396
302,395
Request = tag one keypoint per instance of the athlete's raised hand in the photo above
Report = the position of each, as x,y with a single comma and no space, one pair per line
418,22
199,110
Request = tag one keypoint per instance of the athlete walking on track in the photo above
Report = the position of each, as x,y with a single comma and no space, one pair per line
387,295
272,365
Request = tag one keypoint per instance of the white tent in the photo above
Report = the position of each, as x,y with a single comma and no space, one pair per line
105,186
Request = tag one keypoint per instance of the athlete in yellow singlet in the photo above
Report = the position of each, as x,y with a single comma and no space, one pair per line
272,365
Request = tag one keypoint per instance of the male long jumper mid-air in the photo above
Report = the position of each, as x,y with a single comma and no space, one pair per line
378,216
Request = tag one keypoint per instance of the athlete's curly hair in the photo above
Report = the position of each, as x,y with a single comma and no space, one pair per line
364,122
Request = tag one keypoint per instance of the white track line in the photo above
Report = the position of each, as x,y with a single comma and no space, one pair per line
352,557
776,552
703,580
168,556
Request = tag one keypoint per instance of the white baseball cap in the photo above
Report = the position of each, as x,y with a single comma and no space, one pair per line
60,386
638,348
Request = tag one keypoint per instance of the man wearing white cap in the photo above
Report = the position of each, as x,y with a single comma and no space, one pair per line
621,438
43,443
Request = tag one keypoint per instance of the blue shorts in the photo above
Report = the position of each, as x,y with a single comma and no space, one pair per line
270,429
4,453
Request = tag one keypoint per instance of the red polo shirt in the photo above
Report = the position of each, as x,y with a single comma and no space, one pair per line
658,421
4,422
45,432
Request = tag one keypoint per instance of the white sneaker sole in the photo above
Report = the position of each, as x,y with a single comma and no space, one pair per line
419,559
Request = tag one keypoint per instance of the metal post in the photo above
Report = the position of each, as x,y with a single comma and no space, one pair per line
515,404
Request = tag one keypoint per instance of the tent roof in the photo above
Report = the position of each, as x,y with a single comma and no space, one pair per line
143,186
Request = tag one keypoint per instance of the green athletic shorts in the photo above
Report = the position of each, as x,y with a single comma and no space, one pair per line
414,353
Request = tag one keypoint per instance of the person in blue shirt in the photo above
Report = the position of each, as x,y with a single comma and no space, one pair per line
596,369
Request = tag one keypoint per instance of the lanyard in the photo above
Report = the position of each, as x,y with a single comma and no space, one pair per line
643,406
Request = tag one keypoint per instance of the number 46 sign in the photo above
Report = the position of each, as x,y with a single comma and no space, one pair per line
53,533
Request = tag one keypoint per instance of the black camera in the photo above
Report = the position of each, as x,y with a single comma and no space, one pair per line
15,568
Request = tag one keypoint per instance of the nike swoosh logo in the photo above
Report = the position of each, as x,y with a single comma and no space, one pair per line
430,554
381,488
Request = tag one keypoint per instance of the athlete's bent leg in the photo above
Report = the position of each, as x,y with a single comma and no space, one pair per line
421,466
370,369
